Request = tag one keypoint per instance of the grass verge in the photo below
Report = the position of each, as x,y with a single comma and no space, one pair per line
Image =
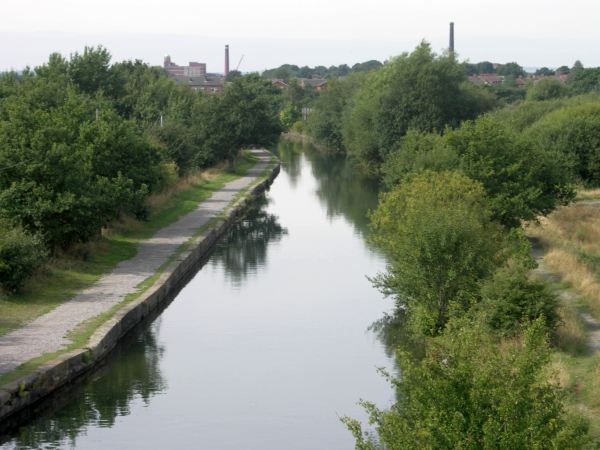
183,201
570,237
79,268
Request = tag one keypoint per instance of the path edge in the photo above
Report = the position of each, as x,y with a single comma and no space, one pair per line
52,375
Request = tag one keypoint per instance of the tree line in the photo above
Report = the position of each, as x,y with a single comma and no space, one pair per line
288,72
462,171
84,141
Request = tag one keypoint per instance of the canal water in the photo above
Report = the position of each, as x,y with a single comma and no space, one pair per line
265,348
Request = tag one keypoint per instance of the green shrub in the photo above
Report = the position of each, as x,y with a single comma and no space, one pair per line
20,255
511,299
440,241
546,89
472,392
573,131
418,151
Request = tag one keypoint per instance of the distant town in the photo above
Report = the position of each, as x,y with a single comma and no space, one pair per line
196,76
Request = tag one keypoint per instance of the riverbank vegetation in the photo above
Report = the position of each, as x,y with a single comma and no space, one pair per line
569,240
463,172
87,146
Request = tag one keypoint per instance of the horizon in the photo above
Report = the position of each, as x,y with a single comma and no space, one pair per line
266,53
269,35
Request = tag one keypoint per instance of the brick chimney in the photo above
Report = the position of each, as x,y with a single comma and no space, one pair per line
451,46
226,60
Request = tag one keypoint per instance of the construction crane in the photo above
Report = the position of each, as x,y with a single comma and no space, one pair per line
238,64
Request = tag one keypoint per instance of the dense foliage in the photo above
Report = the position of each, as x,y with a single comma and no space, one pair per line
366,116
83,141
288,72
471,392
437,232
20,255
460,181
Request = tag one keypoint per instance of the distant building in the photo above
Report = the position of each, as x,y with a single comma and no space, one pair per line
319,84
486,79
194,69
492,79
279,83
195,76
208,83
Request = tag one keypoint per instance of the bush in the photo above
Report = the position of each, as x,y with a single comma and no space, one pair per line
472,392
573,131
546,89
510,300
421,91
20,255
418,151
522,180
438,235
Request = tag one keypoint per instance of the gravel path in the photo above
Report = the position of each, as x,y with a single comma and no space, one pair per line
46,334
592,325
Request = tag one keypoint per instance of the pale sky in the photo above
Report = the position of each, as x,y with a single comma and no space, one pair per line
309,32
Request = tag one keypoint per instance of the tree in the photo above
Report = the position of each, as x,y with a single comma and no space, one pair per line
479,68
233,74
437,232
546,89
326,118
522,179
574,133
472,392
247,113
417,152
510,299
367,66
511,69
72,170
583,80
545,72
20,255
90,71
419,90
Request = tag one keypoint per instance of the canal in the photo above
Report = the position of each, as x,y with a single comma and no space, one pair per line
265,348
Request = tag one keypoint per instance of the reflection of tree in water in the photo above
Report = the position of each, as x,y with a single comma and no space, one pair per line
99,400
289,154
341,188
393,332
244,248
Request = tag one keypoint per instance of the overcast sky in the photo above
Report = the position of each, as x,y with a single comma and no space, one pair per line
309,32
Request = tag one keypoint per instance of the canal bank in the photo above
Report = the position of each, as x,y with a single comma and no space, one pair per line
266,347
121,299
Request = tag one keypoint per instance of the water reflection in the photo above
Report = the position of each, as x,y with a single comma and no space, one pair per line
341,188
290,155
137,378
273,365
244,249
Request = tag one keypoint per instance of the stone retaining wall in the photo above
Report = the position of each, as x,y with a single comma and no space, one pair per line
27,390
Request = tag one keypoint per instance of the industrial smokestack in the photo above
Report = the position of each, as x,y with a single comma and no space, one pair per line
451,46
226,60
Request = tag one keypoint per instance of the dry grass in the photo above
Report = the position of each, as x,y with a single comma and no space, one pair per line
559,373
588,194
571,239
577,274
570,334
571,236
70,272
159,201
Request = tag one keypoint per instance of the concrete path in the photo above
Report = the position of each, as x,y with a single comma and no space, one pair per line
46,334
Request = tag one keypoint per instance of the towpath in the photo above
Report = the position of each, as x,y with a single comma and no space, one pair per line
592,326
47,333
